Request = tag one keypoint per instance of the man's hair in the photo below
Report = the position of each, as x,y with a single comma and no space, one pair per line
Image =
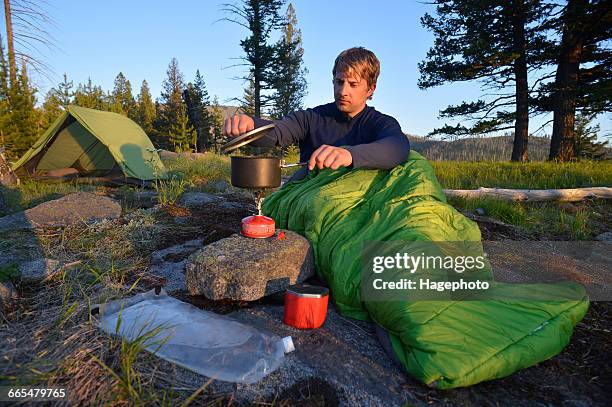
359,60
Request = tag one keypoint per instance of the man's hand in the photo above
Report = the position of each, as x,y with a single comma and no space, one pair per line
238,124
330,157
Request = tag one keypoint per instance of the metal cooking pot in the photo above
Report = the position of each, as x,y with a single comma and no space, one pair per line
255,172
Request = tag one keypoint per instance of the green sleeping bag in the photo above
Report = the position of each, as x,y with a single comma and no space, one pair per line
444,344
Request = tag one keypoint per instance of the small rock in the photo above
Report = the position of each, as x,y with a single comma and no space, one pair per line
245,269
72,209
480,211
170,262
604,237
34,271
191,199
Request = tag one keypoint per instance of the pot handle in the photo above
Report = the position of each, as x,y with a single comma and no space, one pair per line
283,165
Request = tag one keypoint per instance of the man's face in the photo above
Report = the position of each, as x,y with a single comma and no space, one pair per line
351,92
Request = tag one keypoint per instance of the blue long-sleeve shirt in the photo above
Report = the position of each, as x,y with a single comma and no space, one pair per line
375,140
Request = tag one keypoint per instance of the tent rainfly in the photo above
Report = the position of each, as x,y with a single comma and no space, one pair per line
94,143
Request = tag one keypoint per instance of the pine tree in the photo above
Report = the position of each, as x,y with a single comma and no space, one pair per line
122,99
288,72
51,108
129,104
583,78
171,103
261,18
4,95
182,134
23,125
496,42
218,118
8,15
586,144
91,96
146,109
197,100
26,22
247,105
64,92
4,74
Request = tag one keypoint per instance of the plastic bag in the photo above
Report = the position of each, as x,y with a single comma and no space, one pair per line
213,345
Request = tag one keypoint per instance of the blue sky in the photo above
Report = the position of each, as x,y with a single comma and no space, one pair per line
98,39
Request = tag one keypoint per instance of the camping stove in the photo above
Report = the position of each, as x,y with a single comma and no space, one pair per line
258,226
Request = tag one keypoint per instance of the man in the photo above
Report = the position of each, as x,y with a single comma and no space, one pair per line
345,133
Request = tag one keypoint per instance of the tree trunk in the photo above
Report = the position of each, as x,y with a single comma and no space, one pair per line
562,146
258,64
9,41
521,124
257,95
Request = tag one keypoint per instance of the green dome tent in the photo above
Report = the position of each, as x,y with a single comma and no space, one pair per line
94,143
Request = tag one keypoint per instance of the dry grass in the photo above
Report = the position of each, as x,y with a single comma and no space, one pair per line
51,339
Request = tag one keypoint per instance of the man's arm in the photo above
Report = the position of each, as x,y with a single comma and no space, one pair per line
390,148
289,130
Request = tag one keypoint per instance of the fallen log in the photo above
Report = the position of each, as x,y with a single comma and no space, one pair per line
532,195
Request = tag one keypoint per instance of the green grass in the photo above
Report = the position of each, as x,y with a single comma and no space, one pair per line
548,220
31,193
200,171
203,173
170,190
534,175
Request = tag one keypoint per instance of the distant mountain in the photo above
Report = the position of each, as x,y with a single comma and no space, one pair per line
478,148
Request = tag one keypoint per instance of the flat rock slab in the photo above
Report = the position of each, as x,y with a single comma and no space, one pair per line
245,269
341,363
344,353
72,209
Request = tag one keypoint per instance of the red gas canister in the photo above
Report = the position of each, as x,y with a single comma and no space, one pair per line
258,226
306,306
